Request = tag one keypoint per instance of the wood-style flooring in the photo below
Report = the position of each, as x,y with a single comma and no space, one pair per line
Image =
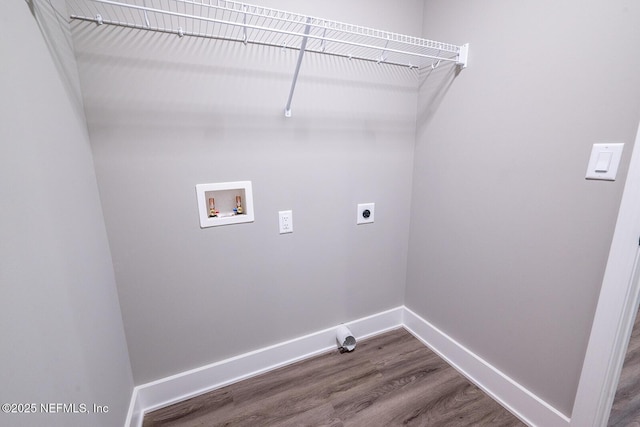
626,404
388,380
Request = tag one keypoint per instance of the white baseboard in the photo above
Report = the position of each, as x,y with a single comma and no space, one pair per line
135,414
173,389
517,399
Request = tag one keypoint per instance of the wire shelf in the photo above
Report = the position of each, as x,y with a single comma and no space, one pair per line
246,23
242,22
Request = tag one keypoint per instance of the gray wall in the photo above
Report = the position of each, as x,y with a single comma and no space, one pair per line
62,334
508,240
166,114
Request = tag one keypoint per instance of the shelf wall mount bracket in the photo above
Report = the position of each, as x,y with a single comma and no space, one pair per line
303,48
463,56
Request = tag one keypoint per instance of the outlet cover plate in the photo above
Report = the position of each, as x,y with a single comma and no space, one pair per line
362,217
285,221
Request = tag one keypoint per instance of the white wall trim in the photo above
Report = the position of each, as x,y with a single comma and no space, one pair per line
616,310
513,396
173,389
135,414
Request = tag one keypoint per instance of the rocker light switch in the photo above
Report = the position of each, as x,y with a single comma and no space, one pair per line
604,161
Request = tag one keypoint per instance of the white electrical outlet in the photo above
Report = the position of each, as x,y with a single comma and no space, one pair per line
366,213
285,220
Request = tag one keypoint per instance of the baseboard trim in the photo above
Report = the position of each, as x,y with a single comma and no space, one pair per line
517,399
521,402
176,388
135,414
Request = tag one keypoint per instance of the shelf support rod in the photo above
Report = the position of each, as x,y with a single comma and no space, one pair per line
383,56
146,17
322,43
303,48
245,38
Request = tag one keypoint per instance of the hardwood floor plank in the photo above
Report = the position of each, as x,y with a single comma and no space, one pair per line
626,404
188,413
288,394
391,379
396,382
318,416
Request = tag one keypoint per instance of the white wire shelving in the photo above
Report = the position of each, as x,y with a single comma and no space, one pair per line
246,23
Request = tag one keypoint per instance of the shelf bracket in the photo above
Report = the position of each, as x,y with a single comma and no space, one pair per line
245,37
146,17
383,55
322,43
463,56
303,48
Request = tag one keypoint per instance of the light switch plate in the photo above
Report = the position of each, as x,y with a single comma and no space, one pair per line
604,161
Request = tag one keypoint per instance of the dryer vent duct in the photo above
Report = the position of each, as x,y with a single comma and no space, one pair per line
346,340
